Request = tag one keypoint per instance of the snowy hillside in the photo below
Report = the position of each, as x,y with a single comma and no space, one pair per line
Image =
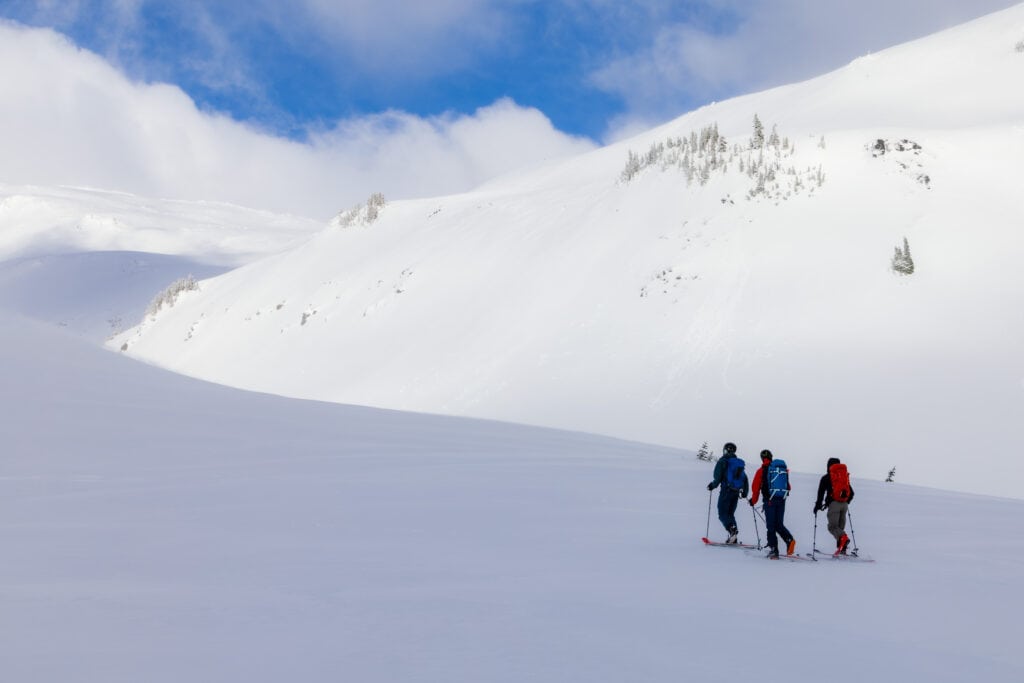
91,261
690,284
156,528
42,220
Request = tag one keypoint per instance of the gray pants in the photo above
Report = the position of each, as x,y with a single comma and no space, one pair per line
837,518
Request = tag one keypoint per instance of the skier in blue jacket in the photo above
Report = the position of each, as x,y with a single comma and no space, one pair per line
730,474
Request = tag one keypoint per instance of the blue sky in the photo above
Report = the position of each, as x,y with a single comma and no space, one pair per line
354,80
588,65
317,62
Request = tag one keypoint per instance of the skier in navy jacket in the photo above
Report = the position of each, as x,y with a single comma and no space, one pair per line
732,490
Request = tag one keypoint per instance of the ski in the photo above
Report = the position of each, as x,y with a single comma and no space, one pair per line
708,541
850,557
794,558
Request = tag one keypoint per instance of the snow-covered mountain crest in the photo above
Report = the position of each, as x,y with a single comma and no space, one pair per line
714,278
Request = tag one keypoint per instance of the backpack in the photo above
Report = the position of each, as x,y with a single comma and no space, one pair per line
734,472
840,478
778,479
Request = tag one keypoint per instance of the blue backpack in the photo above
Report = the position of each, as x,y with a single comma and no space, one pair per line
778,479
734,473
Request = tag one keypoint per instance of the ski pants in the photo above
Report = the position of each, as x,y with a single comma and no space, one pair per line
774,512
728,499
837,519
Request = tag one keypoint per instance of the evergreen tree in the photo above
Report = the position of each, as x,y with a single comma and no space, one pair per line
907,257
757,142
902,261
632,166
705,454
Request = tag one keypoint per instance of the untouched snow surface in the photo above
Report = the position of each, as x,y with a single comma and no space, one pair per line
676,313
156,528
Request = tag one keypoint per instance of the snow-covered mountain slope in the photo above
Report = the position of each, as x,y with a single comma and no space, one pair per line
682,286
93,294
46,220
156,528
91,261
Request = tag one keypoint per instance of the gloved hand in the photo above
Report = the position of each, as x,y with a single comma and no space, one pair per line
751,501
711,487
816,508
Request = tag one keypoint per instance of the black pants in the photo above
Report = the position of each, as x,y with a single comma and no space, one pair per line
774,512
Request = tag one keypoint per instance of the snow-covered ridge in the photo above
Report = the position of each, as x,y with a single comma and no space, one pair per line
671,311
39,220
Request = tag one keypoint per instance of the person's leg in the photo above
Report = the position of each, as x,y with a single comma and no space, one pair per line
841,519
835,513
727,508
771,521
780,525
734,501
843,541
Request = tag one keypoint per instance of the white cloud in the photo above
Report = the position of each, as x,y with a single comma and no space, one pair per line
399,39
68,117
387,35
774,42
425,155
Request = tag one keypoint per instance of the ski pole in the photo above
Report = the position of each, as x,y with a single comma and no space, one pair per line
754,514
814,541
707,532
852,532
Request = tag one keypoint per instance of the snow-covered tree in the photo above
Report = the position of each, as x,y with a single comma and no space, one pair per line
170,295
702,155
902,261
374,204
757,141
632,166
361,214
705,453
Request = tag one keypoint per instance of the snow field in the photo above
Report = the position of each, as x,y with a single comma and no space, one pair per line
162,529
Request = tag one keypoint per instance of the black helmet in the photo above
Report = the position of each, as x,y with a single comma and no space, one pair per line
730,447
766,454
832,461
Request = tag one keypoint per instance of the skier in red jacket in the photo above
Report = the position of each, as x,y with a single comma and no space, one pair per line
774,508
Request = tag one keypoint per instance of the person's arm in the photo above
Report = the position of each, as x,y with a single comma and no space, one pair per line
755,490
822,489
719,472
851,494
